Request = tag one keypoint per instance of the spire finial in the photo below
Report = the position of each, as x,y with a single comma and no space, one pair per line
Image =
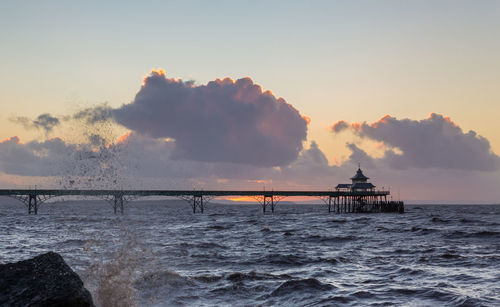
359,165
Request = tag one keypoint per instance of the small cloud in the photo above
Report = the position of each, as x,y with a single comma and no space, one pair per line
45,122
99,113
339,126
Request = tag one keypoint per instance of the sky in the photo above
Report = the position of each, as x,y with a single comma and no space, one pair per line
407,89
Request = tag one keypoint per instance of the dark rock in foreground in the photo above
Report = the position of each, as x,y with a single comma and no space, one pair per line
45,280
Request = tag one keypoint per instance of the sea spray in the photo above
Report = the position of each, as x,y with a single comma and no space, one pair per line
113,269
96,163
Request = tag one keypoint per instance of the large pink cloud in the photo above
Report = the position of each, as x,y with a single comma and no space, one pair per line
223,121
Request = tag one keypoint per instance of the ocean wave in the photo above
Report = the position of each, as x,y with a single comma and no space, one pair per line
338,221
465,301
434,295
208,256
239,276
467,221
455,234
282,259
440,295
362,294
73,242
210,245
201,245
208,278
331,239
422,230
301,286
409,271
450,256
334,301
404,291
478,234
362,219
484,234
237,289
220,227
164,278
439,220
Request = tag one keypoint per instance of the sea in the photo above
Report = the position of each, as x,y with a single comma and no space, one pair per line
158,253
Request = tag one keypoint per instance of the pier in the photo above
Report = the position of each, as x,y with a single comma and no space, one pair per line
336,201
356,197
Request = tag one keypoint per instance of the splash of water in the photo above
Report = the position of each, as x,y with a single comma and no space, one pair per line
111,274
97,162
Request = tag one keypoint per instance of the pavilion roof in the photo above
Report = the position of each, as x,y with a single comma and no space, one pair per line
359,175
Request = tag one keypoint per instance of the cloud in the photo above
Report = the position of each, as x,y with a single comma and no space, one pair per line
310,169
135,157
358,155
33,158
223,121
339,126
44,121
92,115
92,164
434,142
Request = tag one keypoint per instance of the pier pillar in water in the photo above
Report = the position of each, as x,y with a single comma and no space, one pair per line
118,203
268,201
32,204
198,203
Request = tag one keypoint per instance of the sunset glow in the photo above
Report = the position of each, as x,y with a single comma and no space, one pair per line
248,112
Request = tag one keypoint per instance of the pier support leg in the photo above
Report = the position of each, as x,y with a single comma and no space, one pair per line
32,204
198,203
329,204
268,201
118,203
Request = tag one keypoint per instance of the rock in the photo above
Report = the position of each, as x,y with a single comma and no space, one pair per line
45,280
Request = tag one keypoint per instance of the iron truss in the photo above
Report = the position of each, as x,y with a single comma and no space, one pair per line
268,200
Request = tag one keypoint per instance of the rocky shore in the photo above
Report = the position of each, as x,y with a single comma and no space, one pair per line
45,280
